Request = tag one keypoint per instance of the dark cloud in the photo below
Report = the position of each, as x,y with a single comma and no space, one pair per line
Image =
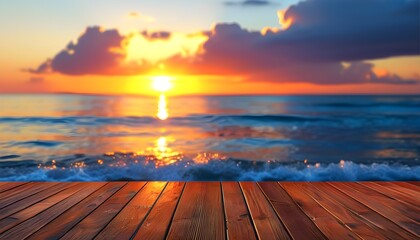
248,3
161,35
328,42
350,30
45,67
96,52
323,34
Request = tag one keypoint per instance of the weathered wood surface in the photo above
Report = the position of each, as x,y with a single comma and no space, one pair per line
210,210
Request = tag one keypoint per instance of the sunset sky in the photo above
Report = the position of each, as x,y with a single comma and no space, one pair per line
210,46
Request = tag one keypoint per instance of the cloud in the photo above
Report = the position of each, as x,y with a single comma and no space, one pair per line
96,52
322,36
350,30
245,3
137,15
326,42
152,36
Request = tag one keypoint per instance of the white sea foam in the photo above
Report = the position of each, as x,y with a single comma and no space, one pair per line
216,170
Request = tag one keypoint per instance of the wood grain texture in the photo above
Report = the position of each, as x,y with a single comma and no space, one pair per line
351,220
31,225
295,220
209,210
35,209
407,196
238,218
264,217
26,202
200,213
4,186
364,213
330,226
124,225
60,225
156,225
387,207
91,225
21,192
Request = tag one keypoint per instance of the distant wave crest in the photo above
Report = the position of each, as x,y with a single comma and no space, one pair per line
214,170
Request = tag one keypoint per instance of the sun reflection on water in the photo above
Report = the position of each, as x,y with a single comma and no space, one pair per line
162,113
163,155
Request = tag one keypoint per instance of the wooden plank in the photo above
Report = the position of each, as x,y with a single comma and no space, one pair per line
381,204
26,202
63,223
90,226
156,225
365,214
296,222
238,218
266,222
199,214
25,214
21,192
124,225
330,226
30,226
407,210
351,220
396,193
405,188
415,183
10,185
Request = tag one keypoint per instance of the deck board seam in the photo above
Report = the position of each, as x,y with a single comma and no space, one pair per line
148,212
224,211
391,190
412,183
301,209
36,201
249,211
402,227
1,233
367,220
24,183
176,208
64,233
125,205
17,225
274,209
32,193
338,218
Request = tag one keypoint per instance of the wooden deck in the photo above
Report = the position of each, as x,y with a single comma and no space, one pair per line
209,210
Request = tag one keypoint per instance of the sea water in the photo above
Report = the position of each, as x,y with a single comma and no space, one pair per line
71,137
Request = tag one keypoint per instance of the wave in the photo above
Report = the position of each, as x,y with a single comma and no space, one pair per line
369,105
37,143
140,168
83,120
272,118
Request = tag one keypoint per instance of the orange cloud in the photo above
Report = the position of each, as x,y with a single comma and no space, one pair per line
321,42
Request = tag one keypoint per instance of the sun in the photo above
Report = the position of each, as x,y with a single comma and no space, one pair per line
162,83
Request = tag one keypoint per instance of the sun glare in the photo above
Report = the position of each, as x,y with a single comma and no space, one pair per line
162,83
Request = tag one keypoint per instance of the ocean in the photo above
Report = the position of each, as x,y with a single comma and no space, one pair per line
68,137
